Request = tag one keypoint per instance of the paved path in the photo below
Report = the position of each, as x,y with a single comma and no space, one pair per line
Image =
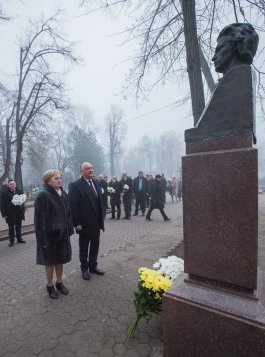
92,319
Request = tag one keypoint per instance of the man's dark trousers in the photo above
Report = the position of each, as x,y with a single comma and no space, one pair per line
140,199
127,206
11,229
84,242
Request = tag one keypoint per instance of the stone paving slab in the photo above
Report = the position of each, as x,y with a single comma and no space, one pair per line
92,319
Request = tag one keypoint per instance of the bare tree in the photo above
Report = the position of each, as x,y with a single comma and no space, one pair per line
115,132
164,41
41,88
7,131
147,150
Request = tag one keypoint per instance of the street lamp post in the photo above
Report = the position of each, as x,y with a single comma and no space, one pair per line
21,162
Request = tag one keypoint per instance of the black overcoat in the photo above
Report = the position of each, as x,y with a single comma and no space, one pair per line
115,199
53,227
86,211
103,184
129,182
157,195
8,209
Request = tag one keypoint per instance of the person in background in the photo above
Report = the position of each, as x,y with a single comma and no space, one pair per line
163,186
115,198
141,190
104,185
180,189
157,199
4,187
53,228
86,203
174,189
107,202
12,214
149,185
127,194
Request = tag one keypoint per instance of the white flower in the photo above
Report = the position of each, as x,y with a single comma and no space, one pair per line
126,187
110,190
102,190
19,200
169,267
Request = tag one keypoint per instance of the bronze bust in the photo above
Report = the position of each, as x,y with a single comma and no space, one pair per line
231,108
236,45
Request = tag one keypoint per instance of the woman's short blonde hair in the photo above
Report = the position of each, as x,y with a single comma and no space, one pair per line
49,174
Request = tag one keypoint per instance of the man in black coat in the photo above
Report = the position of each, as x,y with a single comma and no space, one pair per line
88,218
104,185
164,186
13,214
141,190
127,194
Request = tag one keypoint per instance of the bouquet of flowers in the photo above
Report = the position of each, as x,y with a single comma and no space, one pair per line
111,191
148,298
102,190
19,200
169,267
126,188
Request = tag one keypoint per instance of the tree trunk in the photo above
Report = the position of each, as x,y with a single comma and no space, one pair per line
7,156
206,70
193,59
18,168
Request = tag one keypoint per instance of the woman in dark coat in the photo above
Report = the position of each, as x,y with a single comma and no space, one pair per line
157,199
53,227
115,198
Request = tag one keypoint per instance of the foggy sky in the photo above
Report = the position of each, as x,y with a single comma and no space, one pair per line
98,83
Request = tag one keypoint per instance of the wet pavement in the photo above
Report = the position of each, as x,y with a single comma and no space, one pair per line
92,319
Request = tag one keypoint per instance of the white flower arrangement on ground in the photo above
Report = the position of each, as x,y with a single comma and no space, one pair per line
19,200
170,267
111,190
126,187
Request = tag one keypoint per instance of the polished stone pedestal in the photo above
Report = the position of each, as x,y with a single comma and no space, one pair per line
204,322
217,308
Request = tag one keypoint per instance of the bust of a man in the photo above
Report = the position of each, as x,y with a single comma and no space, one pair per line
231,108
236,45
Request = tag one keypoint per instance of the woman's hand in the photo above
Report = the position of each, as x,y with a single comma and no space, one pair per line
78,228
44,246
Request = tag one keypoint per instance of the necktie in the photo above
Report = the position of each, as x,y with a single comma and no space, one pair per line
92,188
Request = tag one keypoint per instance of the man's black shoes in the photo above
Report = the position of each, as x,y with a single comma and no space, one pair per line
11,244
21,241
96,271
135,214
86,275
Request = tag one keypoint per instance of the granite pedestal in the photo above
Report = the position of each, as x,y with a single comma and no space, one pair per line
217,307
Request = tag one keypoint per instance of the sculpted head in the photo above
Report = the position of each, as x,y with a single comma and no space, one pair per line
236,45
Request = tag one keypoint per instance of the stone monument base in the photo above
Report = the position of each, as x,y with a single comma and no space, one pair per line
211,322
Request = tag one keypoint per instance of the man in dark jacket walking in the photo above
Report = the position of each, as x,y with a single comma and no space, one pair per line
157,199
88,218
141,190
13,214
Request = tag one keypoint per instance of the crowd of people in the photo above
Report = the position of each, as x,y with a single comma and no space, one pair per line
57,214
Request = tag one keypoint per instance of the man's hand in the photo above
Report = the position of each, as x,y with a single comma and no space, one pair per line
44,246
78,228
6,216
